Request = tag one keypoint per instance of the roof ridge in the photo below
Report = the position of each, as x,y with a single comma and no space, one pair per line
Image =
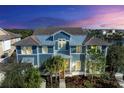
32,37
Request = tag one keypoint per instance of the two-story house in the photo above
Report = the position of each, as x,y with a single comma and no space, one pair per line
7,39
70,43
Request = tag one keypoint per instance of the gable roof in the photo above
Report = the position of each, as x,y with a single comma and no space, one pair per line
31,40
61,31
52,30
96,41
8,35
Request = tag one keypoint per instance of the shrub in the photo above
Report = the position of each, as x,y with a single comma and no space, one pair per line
19,77
13,79
32,78
106,76
88,84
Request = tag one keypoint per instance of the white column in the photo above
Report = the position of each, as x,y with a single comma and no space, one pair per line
38,57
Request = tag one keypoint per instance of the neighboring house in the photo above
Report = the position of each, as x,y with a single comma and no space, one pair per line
7,39
70,43
114,36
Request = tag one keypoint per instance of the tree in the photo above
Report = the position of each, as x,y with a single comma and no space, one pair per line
32,78
21,76
13,79
24,32
115,59
50,67
54,65
59,65
96,62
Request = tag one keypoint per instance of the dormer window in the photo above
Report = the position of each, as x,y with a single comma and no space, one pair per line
62,44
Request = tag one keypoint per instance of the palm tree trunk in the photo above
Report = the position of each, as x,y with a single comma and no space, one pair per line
56,78
51,80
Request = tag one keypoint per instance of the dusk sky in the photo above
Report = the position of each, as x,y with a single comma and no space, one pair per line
70,16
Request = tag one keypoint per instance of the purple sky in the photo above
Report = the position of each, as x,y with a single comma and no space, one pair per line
73,16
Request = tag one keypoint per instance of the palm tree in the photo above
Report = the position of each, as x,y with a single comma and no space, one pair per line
59,65
50,67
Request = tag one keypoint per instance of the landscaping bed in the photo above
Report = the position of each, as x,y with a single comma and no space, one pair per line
82,81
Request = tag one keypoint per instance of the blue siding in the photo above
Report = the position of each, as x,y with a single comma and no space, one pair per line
50,38
34,48
56,45
63,52
61,35
20,57
67,46
18,49
44,57
82,58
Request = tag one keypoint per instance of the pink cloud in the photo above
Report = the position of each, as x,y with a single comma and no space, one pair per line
115,18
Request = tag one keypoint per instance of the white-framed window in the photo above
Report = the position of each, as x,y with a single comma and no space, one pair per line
62,44
76,65
44,49
6,45
78,49
28,60
26,50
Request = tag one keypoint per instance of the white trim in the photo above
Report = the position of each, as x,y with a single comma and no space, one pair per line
45,53
28,62
27,54
62,38
77,53
38,63
85,68
61,31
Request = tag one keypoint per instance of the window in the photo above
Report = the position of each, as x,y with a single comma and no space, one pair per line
28,60
67,64
76,62
26,50
44,49
76,65
78,49
50,49
6,45
40,49
62,44
73,49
